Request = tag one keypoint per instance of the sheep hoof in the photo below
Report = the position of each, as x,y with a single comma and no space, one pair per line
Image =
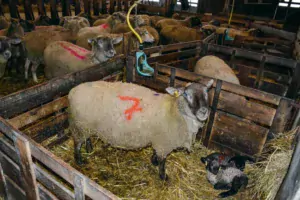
164,177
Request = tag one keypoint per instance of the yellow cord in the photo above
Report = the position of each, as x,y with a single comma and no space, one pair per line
128,22
231,12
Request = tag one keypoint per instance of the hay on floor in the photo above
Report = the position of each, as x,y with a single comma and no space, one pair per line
130,174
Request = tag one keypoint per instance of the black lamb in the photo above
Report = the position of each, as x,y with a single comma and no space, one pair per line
226,172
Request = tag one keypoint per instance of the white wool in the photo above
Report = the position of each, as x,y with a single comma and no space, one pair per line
215,67
95,108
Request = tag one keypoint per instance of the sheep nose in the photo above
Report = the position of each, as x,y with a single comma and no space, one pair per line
203,110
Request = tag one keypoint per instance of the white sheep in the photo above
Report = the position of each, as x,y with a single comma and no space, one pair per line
215,67
130,116
63,57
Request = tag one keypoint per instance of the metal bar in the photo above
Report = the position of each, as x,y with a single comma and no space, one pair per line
3,186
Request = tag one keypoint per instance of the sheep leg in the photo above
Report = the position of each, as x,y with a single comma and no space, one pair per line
33,70
77,153
88,145
221,186
27,64
162,169
237,183
154,159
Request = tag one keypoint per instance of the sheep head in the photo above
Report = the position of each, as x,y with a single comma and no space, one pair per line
104,46
145,35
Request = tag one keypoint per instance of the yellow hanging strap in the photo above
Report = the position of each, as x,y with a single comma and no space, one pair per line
231,13
128,22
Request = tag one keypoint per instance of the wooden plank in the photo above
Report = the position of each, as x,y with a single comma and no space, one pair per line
56,164
238,133
38,113
240,106
51,184
9,150
27,99
11,169
3,185
79,187
276,32
45,194
14,192
46,129
233,88
172,56
111,6
281,118
26,167
288,63
290,185
103,7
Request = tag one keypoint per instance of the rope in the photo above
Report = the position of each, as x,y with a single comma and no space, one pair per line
232,7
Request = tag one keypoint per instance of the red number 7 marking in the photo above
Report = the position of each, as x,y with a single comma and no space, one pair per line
134,108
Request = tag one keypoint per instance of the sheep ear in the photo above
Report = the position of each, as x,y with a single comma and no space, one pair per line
117,40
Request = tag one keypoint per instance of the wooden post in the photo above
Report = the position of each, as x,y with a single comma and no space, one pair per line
14,13
41,8
290,185
126,5
26,167
87,7
111,6
66,11
28,10
3,186
260,73
79,187
1,9
77,7
119,5
213,111
53,11
103,7
294,88
281,117
96,7
172,77
130,61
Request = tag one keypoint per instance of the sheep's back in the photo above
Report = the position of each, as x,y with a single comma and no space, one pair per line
214,67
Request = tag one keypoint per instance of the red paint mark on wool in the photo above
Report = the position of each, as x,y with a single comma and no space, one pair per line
134,108
73,50
221,158
104,26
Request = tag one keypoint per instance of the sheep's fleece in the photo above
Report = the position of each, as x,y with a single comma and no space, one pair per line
97,109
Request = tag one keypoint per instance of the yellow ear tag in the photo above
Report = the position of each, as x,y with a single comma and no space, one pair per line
176,94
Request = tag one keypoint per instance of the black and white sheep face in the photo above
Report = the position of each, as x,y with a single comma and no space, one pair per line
196,95
5,52
105,45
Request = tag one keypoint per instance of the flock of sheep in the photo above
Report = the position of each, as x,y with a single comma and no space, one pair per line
76,45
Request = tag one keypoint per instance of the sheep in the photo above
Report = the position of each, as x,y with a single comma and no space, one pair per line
42,20
162,121
215,67
14,30
234,32
188,22
174,34
35,43
154,19
111,21
226,173
5,52
130,39
296,51
124,28
74,23
4,23
63,57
